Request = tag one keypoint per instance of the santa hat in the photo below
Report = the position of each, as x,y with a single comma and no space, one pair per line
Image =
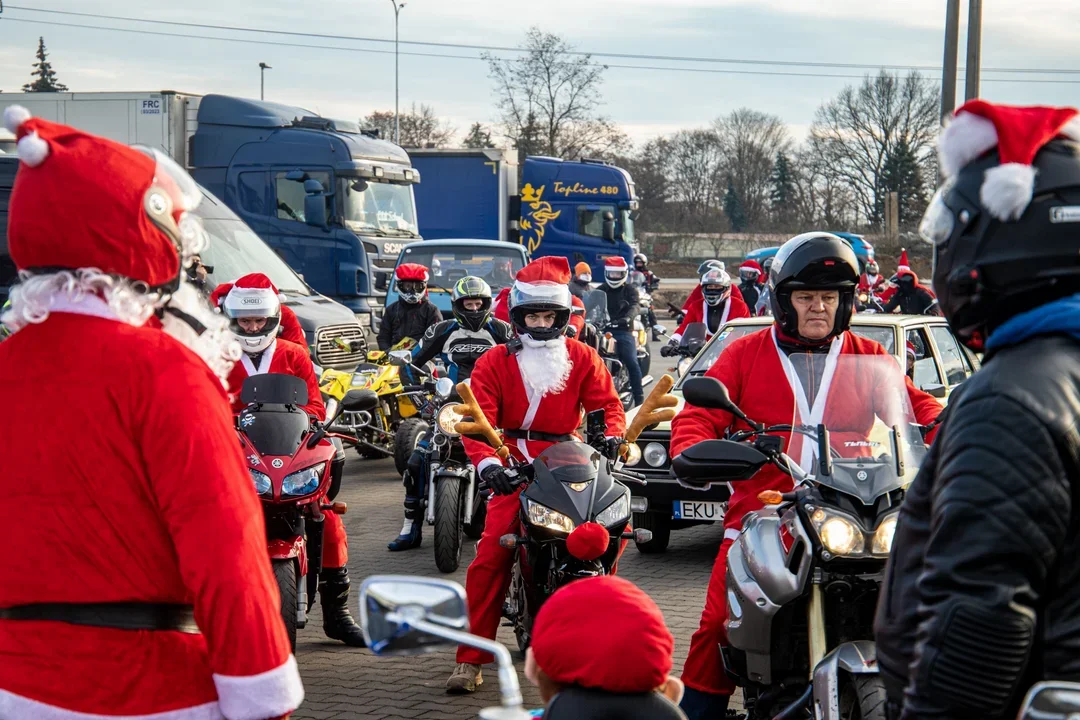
616,261
79,202
1018,133
545,270
411,271
911,350
751,265
217,297
902,265
633,653
254,291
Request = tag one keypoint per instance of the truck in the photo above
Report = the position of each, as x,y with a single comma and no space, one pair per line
335,202
581,210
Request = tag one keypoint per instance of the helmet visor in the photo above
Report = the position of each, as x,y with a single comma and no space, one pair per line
543,295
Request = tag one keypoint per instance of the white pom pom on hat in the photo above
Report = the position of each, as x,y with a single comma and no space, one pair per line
14,117
31,148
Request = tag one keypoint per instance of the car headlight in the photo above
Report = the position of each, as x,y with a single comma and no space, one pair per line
655,454
447,419
838,534
261,480
545,517
615,513
304,482
883,536
633,455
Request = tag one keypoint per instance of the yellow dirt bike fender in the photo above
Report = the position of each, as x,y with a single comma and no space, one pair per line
335,383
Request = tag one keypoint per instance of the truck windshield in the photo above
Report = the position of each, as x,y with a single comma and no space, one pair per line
448,264
628,226
234,251
383,208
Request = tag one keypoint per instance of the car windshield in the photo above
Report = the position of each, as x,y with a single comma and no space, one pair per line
450,263
386,208
234,251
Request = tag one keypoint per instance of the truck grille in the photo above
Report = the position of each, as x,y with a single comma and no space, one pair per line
388,263
327,354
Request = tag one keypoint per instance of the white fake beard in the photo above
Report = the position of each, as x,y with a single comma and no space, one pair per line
216,345
545,364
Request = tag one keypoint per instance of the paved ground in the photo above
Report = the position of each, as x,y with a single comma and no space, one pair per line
345,683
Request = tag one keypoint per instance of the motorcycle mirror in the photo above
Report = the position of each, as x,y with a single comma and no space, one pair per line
402,615
1051,700
400,357
444,386
934,389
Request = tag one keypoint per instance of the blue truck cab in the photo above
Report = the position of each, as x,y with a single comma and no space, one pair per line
864,251
335,203
581,210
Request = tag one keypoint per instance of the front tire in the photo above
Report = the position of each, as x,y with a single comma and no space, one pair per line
406,438
660,525
862,697
449,512
285,575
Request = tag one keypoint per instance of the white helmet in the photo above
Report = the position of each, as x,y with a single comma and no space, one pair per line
253,296
715,286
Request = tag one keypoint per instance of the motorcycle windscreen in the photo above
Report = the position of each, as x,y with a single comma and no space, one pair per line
568,480
276,388
874,441
275,429
694,337
596,310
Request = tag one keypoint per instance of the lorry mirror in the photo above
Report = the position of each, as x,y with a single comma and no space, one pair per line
311,187
609,227
315,210
296,175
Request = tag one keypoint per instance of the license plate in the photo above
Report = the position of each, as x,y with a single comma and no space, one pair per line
697,510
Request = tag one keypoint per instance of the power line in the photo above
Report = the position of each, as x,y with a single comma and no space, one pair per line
496,48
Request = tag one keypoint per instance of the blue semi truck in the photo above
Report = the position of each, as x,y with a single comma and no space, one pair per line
581,210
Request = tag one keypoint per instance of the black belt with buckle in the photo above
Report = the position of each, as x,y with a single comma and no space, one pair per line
120,616
535,435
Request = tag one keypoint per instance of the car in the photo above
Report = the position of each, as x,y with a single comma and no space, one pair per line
942,363
864,251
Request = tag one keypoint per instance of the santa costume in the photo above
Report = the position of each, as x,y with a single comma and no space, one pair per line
501,311
139,583
695,298
527,387
290,324
714,316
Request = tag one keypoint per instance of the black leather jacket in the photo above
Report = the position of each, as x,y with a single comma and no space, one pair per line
402,320
982,593
622,305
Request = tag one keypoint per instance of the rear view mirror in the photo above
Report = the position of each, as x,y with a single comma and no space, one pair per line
401,358
717,461
708,392
934,389
609,226
1051,701
296,175
315,210
402,615
313,187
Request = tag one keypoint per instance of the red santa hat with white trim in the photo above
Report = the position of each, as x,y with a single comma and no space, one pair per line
1017,133
252,292
902,265
217,297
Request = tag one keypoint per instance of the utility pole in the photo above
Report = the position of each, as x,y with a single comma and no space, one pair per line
974,50
948,67
263,67
397,118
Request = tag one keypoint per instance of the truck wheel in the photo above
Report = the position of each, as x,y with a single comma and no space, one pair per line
863,698
405,441
449,512
475,529
285,575
661,532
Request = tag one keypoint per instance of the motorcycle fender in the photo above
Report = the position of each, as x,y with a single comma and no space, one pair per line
291,548
858,657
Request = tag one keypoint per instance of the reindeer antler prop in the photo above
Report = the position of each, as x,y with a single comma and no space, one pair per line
479,424
657,408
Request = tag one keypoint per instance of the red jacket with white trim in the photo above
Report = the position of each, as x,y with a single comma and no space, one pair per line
696,297
751,369
734,308
148,501
284,358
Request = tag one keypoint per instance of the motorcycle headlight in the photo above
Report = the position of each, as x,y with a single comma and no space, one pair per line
615,513
545,517
839,535
362,379
446,419
633,455
883,536
262,482
655,454
642,338
304,482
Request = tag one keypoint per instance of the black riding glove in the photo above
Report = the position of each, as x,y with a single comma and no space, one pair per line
498,479
672,348
612,447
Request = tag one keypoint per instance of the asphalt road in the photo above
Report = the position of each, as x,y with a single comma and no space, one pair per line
342,682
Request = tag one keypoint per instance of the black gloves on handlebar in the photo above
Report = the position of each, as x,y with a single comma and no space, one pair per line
499,479
671,349
612,447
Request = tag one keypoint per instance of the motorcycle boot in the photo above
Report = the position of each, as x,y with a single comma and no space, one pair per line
412,531
700,705
465,679
338,624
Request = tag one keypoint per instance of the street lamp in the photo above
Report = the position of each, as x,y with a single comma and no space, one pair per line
263,67
397,122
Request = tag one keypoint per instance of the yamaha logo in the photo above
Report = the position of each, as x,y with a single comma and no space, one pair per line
861,475
278,463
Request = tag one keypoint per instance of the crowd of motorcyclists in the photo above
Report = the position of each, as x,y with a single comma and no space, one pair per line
146,585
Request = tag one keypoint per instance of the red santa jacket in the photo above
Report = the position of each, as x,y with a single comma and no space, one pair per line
734,308
507,403
291,330
696,298
150,502
285,358
752,371
877,285
501,310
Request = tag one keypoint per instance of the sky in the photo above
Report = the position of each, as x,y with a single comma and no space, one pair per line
1017,34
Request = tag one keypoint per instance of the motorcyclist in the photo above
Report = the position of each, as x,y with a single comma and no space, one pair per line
290,324
622,305
536,390
254,311
813,282
607,676
750,282
764,301
140,584
413,313
911,298
695,299
577,328
652,282
460,342
982,590
718,305
580,284
502,271
872,282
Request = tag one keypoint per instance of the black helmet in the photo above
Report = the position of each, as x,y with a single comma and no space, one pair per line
526,298
471,287
987,270
709,265
813,261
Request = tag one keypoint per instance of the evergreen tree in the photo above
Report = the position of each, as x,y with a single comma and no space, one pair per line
782,194
901,174
479,137
46,77
733,208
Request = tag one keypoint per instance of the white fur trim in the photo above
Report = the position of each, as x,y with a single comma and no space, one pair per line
32,149
17,706
486,463
1007,190
964,139
256,697
14,116
1071,129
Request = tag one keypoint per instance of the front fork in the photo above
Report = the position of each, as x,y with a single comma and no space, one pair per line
815,622
470,493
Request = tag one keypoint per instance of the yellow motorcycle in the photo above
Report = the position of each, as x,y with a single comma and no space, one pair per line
394,426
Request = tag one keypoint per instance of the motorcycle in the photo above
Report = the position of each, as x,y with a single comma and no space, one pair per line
804,574
690,344
290,467
645,304
866,302
596,314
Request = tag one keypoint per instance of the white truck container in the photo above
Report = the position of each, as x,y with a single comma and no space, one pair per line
164,120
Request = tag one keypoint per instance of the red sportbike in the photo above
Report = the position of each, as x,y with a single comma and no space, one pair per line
289,457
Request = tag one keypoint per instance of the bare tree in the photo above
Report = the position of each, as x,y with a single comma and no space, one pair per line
856,132
551,96
823,199
649,168
750,141
419,127
695,174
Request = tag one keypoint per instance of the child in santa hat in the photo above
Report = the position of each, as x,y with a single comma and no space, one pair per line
143,585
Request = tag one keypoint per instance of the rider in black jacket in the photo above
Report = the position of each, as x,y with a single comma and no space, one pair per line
911,297
413,314
982,592
622,305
